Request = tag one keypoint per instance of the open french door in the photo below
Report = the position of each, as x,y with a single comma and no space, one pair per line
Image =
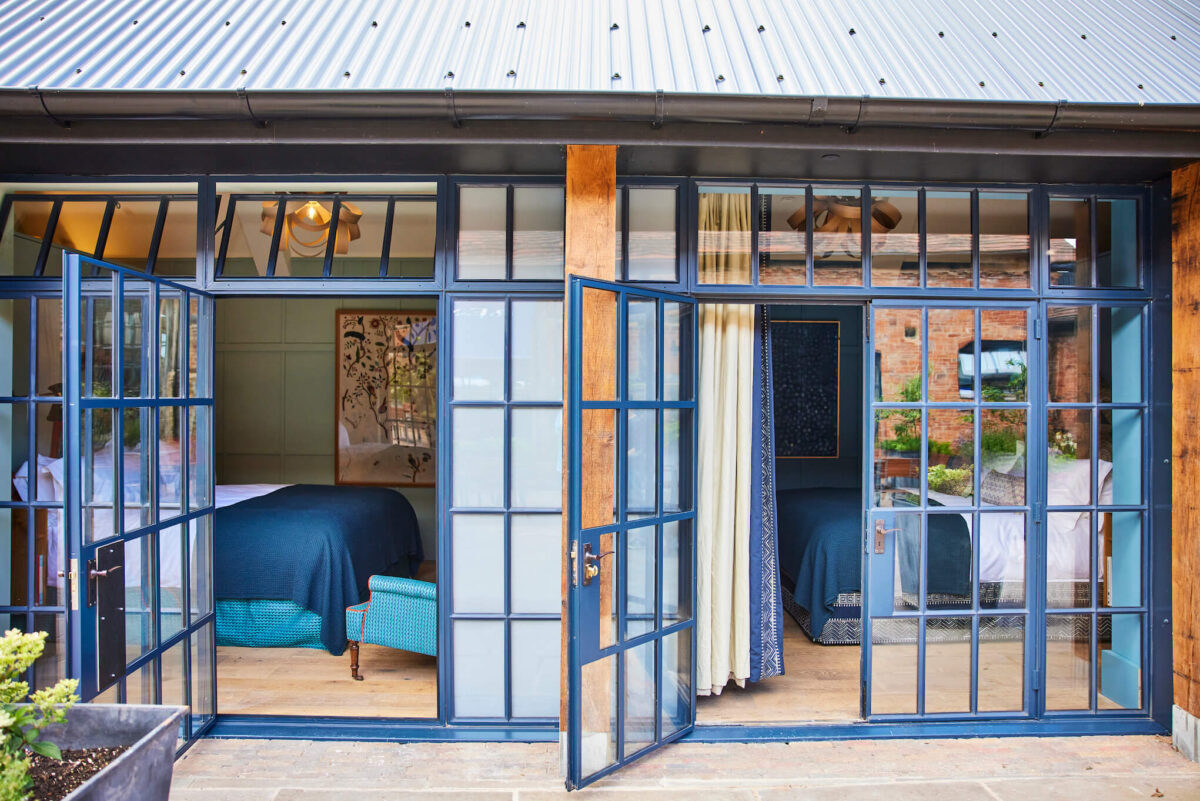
631,516
139,488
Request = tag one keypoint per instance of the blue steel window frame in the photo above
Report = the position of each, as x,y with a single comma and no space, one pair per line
448,510
111,200
580,652
76,290
1034,486
1092,196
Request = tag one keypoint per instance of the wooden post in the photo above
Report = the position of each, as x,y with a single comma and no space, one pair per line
1185,452
590,245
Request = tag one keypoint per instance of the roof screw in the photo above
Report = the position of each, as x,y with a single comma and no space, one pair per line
284,22
762,28
981,83
616,76
450,74
135,22
1172,37
226,23
467,24
346,74
182,72
882,81
512,73
707,29
779,77
852,31
77,69
995,35
1041,83
941,34
1083,36
615,27
243,72
1140,86
374,23
720,78
521,24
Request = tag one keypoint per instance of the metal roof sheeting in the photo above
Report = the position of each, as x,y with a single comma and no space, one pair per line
1040,51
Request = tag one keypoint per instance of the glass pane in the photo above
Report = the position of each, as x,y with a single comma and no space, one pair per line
640,573
1069,352
479,668
640,701
641,344
14,338
358,239
536,564
652,239
1116,243
477,547
537,350
478,350
136,327
1121,354
14,450
51,666
1070,463
837,237
140,586
99,491
894,666
203,660
49,349
1121,559
1120,646
898,356
14,539
1002,551
177,246
724,235
677,571
131,233
951,348
138,438
47,482
907,558
170,466
49,555
199,452
200,567
21,239
599,475
1070,242
1001,664
174,684
413,245
1003,240
1004,355
1002,457
1068,661
895,239
536,450
478,457
78,228
947,664
948,239
170,336
677,476
247,245
199,349
170,581
1068,560
535,667
641,462
98,358
948,571
782,246
539,216
951,456
897,454
482,232
598,724
1120,464
677,351
677,689
599,333
609,561
142,686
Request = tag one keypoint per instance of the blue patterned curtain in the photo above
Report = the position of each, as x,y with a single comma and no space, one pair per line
766,601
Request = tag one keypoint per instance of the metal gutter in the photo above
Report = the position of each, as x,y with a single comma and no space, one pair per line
66,105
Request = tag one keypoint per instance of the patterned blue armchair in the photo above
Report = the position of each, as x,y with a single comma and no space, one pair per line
401,613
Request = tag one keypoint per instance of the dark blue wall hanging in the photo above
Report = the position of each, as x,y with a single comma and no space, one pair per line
806,384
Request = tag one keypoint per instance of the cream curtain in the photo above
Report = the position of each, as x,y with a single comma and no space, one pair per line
725,495
724,233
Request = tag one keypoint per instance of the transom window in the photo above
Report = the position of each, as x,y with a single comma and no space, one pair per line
510,232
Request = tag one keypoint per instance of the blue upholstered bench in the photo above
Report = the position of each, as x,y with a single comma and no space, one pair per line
400,613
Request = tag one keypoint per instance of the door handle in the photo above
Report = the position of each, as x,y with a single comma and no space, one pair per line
881,534
591,563
93,573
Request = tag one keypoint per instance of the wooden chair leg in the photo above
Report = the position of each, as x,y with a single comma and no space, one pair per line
354,661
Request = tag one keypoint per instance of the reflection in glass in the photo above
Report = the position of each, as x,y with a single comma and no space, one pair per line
1069,437
199,451
478,668
894,665
99,487
174,683
677,351
949,569
641,346
1002,457
478,349
677,460
140,586
1068,560
1070,242
1001,665
477,547
98,360
1120,354
837,237
413,243
1121,453
898,355
1068,661
951,349
948,239
49,349
677,572
641,461
1120,668
896,240
1121,559
536,357
951,456
51,666
1002,549
1004,373
1116,243
482,232
598,724
1003,240
170,336
536,563
137,434
782,246
535,668
131,233
538,219
676,699
640,571
641,703
724,235
907,556
142,686
1069,353
135,325
176,255
897,467
170,464
200,567
947,664
170,582
477,452
652,239
203,661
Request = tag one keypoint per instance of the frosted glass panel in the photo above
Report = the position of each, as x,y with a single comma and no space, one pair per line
478,554
482,236
535,666
479,668
651,235
538,221
478,457
537,350
536,449
478,350
536,563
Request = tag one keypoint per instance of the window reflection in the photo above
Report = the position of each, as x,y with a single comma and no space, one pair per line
948,239
1003,240
895,239
724,236
837,237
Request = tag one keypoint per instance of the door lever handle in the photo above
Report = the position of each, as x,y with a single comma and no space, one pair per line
881,535
591,563
93,573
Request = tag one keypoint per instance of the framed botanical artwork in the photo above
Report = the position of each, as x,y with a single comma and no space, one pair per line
386,415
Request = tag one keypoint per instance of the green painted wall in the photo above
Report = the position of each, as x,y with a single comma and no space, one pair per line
275,393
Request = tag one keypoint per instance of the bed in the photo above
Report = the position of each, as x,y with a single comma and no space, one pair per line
820,553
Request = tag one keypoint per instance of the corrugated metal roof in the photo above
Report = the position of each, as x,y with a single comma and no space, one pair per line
1084,51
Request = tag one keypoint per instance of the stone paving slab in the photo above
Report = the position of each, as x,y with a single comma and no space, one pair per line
985,769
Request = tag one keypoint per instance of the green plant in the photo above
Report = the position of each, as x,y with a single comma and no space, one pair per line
23,716
951,480
906,430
